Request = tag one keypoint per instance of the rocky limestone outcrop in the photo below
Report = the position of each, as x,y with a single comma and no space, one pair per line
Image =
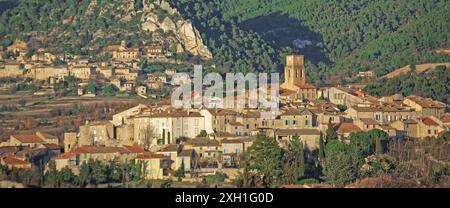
192,39
189,37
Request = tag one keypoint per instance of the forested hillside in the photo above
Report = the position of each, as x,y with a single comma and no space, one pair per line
346,36
360,34
434,84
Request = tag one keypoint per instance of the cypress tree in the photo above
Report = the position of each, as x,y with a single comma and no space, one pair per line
321,148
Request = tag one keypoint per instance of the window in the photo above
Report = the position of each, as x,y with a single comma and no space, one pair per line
306,123
429,131
286,122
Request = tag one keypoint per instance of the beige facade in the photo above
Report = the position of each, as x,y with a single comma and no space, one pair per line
12,69
81,72
156,166
96,133
420,127
298,119
42,56
309,137
426,107
45,72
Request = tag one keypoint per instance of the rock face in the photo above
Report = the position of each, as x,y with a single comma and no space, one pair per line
188,37
192,39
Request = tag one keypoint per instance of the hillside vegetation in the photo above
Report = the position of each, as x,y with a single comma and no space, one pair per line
433,84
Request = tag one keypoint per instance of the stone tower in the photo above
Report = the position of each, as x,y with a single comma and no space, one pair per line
294,71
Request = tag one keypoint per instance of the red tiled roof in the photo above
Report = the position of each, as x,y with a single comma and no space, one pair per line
346,127
135,149
31,138
52,146
306,86
170,148
100,150
14,161
429,122
426,102
446,118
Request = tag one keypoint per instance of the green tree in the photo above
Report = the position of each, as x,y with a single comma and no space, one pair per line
109,90
340,168
203,133
265,158
91,88
67,177
51,177
180,172
297,148
364,143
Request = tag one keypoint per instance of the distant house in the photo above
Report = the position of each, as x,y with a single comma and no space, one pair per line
232,149
186,159
426,106
13,162
204,148
310,137
38,140
171,151
446,121
366,74
154,52
78,156
420,127
156,166
345,129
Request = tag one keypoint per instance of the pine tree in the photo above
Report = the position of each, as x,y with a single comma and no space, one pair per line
265,159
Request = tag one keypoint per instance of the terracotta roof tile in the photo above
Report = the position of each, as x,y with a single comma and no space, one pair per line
446,118
429,122
31,138
52,146
100,150
135,149
346,128
14,161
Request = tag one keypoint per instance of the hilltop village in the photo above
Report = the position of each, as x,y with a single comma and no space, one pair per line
191,144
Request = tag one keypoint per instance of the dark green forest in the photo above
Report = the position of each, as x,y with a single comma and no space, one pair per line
434,84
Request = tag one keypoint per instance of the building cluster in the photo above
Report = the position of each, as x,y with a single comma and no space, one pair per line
122,70
209,140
